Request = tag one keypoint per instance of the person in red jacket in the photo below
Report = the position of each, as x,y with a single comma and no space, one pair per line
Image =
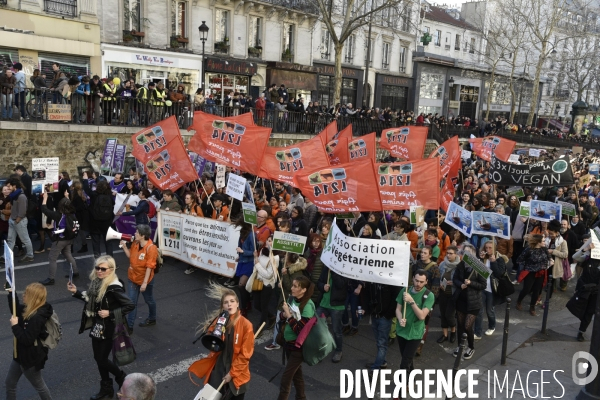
260,106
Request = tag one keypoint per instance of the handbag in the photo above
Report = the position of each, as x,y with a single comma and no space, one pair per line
122,350
257,285
250,282
567,274
503,286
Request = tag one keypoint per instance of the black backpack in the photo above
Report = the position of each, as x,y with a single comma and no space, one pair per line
103,208
32,208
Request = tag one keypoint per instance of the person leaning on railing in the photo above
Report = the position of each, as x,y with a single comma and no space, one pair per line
108,93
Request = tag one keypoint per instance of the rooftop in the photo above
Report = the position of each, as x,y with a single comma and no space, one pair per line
438,14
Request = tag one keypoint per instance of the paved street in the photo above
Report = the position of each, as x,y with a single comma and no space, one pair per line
166,350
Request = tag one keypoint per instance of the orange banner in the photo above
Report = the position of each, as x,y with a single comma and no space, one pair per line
364,147
412,183
151,140
336,148
328,134
345,188
447,195
171,168
449,154
484,147
406,142
282,163
232,141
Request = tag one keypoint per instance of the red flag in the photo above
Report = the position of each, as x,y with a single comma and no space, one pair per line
406,142
151,140
327,134
501,147
230,141
171,168
362,147
413,183
449,156
336,148
447,195
245,118
282,163
345,188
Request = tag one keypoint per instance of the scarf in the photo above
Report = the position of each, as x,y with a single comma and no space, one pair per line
14,195
450,266
312,258
92,294
431,243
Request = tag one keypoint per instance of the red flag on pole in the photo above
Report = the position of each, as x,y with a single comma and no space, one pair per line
171,168
449,156
484,147
151,140
406,142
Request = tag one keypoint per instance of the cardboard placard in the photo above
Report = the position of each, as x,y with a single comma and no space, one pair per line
289,242
516,191
236,185
249,211
524,209
568,208
477,265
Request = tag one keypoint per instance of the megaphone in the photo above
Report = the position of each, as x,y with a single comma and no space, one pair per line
111,234
215,339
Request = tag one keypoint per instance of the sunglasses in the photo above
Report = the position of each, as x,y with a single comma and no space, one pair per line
101,269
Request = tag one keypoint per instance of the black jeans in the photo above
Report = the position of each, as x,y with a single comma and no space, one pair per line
533,285
447,310
102,349
589,312
261,302
98,238
15,370
408,348
292,373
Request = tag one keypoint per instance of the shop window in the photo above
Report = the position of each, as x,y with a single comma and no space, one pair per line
385,59
395,97
457,43
469,93
289,38
325,44
432,86
349,50
255,36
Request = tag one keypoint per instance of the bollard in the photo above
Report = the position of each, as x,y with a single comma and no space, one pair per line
505,334
549,287
461,348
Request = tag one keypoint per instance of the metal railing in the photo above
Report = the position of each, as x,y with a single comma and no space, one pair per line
62,7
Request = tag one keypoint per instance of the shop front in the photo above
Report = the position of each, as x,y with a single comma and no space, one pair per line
146,65
225,76
299,80
392,91
352,85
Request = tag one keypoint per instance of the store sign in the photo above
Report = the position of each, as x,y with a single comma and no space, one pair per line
231,66
346,72
454,104
154,60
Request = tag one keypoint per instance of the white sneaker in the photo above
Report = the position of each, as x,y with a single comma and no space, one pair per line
489,332
477,337
468,353
190,270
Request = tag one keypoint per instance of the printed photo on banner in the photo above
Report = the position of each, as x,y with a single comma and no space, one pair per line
490,224
459,218
594,169
201,242
289,242
545,211
44,171
405,142
119,158
417,215
236,185
368,260
567,208
547,173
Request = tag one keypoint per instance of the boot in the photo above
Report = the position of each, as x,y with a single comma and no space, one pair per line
419,349
519,306
83,249
532,311
106,390
120,378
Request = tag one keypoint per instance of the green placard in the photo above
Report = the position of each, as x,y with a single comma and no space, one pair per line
348,215
516,191
289,242
524,210
477,265
249,213
568,208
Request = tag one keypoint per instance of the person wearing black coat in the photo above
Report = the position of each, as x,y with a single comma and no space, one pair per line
141,210
105,300
28,327
333,288
382,306
583,303
299,225
469,285
79,201
496,263
98,228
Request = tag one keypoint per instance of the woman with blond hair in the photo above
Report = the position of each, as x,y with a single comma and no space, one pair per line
27,327
104,298
232,364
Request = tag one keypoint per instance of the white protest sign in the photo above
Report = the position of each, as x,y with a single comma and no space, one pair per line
595,250
10,265
132,202
370,260
220,180
43,172
534,152
236,185
465,155
513,158
201,242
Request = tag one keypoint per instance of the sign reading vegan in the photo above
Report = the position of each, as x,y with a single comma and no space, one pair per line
548,173
202,242
459,218
370,260
153,139
348,187
485,147
282,163
409,184
448,155
406,142
171,168
491,224
233,141
289,242
362,148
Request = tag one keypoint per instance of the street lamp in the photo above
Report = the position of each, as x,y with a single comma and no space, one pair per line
203,30
451,82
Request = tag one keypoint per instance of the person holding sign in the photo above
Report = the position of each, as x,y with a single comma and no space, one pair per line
469,285
534,261
245,266
413,305
28,325
495,261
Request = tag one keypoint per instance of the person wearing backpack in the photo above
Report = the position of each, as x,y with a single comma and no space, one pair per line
141,210
142,263
101,214
302,290
66,229
28,327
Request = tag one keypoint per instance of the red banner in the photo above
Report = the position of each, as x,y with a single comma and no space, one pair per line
327,134
153,139
345,188
171,168
282,163
413,183
449,154
484,147
364,147
336,148
447,195
230,141
406,142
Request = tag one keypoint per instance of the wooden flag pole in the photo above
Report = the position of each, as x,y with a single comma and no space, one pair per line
230,206
14,311
276,269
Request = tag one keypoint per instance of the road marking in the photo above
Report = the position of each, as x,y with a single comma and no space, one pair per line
180,368
58,261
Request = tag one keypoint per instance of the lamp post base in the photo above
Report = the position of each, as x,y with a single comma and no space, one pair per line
584,395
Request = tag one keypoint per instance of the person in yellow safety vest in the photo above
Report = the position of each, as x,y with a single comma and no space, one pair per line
108,93
159,95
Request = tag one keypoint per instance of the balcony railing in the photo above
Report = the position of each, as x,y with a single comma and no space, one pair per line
67,8
348,59
300,5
